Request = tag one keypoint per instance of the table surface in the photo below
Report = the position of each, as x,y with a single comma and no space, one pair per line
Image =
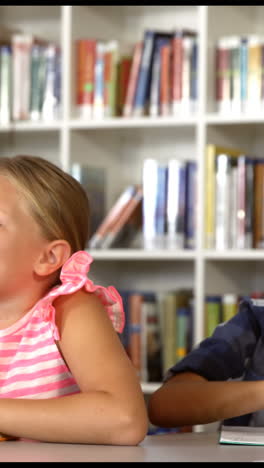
181,447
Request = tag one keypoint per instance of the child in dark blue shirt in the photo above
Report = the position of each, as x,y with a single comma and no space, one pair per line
221,379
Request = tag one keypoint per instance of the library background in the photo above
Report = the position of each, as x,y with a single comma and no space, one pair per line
158,111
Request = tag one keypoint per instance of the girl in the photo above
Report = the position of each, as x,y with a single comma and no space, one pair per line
64,375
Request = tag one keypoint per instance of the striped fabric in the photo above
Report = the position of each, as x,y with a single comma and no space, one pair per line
31,365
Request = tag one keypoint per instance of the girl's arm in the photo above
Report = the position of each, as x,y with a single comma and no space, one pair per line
110,408
189,399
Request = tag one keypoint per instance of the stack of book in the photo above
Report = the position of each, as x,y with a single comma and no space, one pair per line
157,76
30,79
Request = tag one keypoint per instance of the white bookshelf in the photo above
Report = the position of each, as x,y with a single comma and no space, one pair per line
120,145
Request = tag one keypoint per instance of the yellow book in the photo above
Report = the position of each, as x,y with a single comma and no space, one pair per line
210,183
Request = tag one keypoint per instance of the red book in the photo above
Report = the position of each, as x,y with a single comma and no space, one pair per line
85,53
165,79
132,82
134,342
123,80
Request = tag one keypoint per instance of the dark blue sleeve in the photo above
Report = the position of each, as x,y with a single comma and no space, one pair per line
223,355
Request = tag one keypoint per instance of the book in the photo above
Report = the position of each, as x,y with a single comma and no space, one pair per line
38,71
165,78
126,226
213,313
134,342
222,201
21,79
151,370
180,61
93,180
243,71
253,102
212,151
241,435
124,67
52,84
235,73
154,100
111,216
176,204
222,68
142,94
98,103
229,306
85,67
258,233
133,78
5,84
110,78
190,211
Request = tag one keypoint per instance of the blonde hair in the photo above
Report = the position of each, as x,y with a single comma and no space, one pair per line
57,201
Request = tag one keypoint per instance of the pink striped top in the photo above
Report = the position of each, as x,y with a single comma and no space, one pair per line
31,365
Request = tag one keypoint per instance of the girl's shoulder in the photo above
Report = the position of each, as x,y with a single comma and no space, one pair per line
75,285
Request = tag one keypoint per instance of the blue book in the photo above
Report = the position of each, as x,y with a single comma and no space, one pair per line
243,70
154,103
160,215
190,212
145,71
194,80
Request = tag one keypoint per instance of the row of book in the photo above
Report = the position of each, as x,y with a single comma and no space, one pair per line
30,79
157,214
234,202
156,76
158,330
220,308
239,73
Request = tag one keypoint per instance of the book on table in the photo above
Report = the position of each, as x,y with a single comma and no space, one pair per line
241,435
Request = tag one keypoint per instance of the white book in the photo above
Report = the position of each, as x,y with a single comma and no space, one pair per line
175,206
241,435
21,58
222,208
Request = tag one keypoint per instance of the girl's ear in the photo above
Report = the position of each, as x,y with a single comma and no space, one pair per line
52,257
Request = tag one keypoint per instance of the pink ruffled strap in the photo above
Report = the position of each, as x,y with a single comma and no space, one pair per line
73,277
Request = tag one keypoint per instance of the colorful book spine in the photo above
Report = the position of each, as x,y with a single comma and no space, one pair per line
259,205
160,211
124,217
38,71
51,94
194,75
191,198
154,104
243,71
112,216
254,74
165,79
213,313
133,78
21,79
134,346
124,68
143,81
182,328
110,78
187,43
177,60
223,67
235,78
85,55
229,306
5,84
98,104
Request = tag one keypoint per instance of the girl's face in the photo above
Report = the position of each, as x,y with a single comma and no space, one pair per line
21,241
